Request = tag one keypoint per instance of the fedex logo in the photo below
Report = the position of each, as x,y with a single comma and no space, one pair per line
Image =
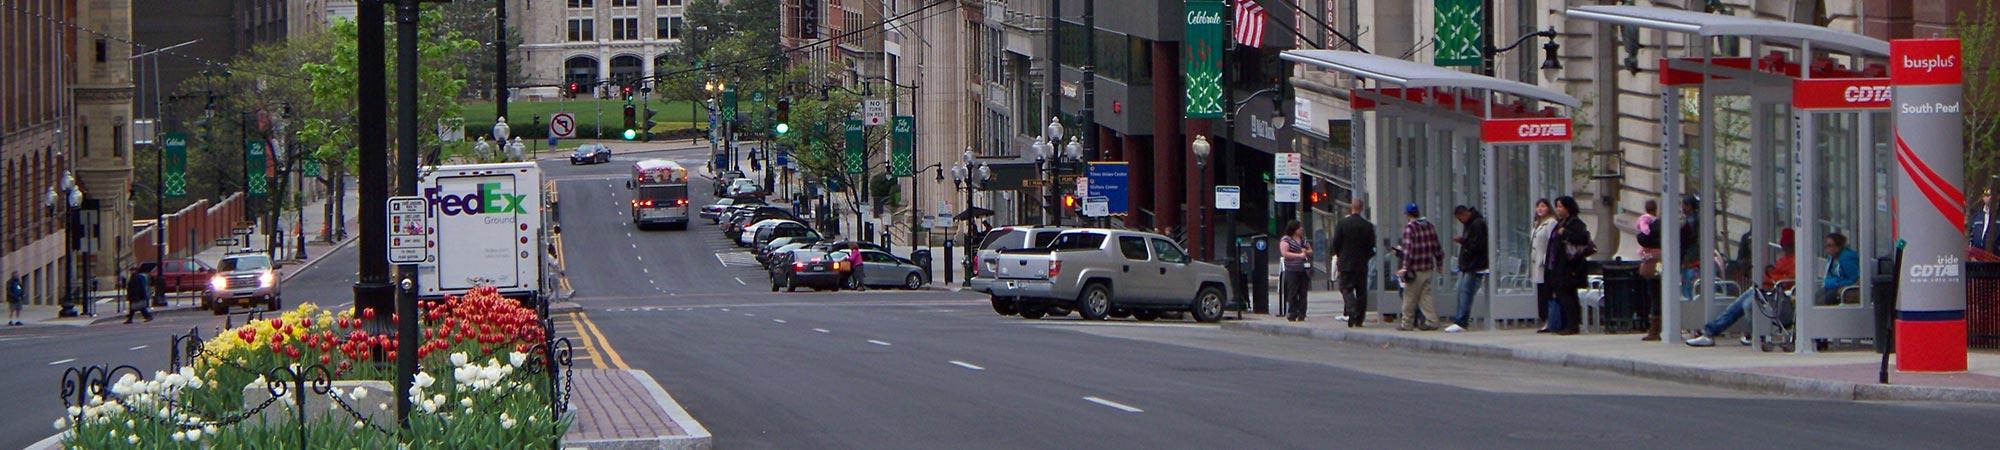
1544,130
1866,94
488,200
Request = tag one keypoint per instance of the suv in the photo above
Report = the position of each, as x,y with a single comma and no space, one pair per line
1114,273
247,279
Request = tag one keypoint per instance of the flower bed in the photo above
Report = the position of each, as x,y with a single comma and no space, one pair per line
480,385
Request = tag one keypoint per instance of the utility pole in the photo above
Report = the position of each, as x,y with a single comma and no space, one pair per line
406,185
1087,116
372,291
500,58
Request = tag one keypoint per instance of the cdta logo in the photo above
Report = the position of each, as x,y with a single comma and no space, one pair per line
489,200
1544,130
1866,94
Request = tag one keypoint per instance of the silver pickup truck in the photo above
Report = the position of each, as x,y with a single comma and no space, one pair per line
1005,238
1109,273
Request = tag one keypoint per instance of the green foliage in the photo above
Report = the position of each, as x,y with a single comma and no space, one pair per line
1982,94
335,82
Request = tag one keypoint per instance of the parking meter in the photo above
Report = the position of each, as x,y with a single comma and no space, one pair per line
1259,273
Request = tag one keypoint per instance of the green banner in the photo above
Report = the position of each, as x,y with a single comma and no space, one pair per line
1202,53
857,148
256,182
1459,40
729,106
174,181
309,168
903,155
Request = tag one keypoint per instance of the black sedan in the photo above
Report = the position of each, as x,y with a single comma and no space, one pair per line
805,268
590,154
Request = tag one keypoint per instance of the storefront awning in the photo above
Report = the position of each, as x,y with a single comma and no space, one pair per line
1417,75
1718,25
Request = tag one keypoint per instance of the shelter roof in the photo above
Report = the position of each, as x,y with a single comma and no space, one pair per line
1419,75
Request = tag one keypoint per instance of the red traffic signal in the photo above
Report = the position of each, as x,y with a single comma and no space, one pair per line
1069,201
574,89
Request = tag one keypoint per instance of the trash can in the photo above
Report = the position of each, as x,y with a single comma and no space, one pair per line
1622,296
922,258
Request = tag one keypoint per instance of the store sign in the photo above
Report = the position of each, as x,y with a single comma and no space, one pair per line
1068,89
1495,131
1202,48
1841,93
1263,128
1302,114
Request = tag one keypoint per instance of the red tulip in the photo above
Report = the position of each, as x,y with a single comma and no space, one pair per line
368,313
326,359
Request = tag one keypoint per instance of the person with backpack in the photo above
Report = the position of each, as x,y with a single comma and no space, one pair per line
139,292
1649,269
15,296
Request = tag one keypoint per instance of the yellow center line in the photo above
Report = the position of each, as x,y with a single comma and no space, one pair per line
602,343
589,349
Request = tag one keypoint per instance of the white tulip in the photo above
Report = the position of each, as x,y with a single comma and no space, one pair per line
194,434
517,358
458,359
179,436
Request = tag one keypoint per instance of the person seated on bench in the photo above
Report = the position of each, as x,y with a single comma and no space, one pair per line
1843,269
1784,269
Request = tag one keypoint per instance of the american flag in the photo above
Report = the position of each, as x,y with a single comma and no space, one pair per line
1249,23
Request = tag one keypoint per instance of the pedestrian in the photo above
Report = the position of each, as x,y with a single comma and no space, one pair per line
1538,251
1423,259
1690,244
855,279
1784,269
1843,269
139,292
1472,263
1569,250
15,296
1353,246
1297,256
1649,269
1984,231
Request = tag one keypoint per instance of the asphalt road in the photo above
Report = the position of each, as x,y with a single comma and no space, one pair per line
934,369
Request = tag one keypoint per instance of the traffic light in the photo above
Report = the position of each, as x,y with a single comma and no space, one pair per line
627,91
631,122
1069,201
573,90
784,117
646,133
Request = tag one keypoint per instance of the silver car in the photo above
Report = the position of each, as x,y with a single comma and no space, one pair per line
883,269
1109,273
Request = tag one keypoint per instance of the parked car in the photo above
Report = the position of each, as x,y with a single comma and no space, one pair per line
183,275
781,230
742,187
769,249
714,211
247,279
788,248
1109,273
590,154
1003,238
749,233
805,268
880,268
723,180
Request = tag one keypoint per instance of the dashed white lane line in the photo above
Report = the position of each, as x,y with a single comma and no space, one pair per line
641,258
739,280
876,342
635,246
66,361
778,320
1114,405
967,365
822,330
646,270
142,347
725,309
628,234
749,315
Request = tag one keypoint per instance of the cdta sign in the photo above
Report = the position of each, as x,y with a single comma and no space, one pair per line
1555,129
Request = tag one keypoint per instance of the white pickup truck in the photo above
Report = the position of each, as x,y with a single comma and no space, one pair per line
1110,273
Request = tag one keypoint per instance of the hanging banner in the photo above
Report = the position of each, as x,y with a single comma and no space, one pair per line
1459,33
255,181
309,168
174,180
1929,91
903,154
1202,50
857,148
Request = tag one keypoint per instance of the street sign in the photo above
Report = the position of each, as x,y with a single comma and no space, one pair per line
244,224
1287,190
562,125
1067,178
1110,179
1289,165
246,231
1098,206
757,97
1082,187
407,236
874,112
1228,197
1035,182
1287,170
225,242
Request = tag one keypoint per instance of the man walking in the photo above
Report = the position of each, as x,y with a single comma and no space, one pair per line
1422,259
1353,246
139,292
15,296
1472,264
1984,230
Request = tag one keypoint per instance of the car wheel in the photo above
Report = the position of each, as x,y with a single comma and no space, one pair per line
791,286
855,283
1004,306
1208,305
774,284
1119,313
1095,302
1032,312
274,305
1146,315
913,282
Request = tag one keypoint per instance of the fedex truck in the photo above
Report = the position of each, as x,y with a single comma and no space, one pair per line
485,229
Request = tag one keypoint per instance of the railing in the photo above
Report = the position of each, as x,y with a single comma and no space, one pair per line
1982,304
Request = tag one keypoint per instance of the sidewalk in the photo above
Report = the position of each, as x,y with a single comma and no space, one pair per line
1835,375
626,409
110,305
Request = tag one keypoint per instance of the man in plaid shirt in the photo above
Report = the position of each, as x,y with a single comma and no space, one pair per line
1422,259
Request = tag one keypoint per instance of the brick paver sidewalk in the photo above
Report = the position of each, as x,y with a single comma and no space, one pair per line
621,406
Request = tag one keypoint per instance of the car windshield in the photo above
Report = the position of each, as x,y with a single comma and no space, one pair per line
244,263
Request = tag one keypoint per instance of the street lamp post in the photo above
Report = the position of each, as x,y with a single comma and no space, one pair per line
72,198
500,133
968,176
1201,150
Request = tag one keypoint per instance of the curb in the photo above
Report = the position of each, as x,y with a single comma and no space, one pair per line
697,437
1742,381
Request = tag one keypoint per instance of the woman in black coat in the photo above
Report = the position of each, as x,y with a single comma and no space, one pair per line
1565,273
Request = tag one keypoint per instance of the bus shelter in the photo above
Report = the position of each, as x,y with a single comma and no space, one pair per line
1455,138
1806,126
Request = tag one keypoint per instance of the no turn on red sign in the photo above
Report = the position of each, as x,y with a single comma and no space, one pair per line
562,125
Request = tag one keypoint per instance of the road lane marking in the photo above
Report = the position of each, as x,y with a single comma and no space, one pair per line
739,280
603,343
641,257
343,305
965,365
66,361
822,330
725,309
778,320
749,315
635,246
1114,405
142,347
646,270
876,342
628,234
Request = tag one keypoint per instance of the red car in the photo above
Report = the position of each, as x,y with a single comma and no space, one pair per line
184,275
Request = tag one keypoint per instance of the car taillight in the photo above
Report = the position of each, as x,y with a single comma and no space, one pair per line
801,267
1054,268
975,265
839,266
683,202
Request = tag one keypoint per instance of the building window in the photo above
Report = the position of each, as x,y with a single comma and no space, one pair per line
118,141
580,3
624,3
625,29
100,50
668,2
581,30
668,27
83,140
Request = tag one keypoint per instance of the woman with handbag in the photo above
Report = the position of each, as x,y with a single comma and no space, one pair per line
1569,249
1545,223
1649,269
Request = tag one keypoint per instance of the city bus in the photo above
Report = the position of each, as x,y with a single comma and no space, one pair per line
659,194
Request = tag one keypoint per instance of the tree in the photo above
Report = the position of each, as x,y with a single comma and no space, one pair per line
474,20
1977,29
440,80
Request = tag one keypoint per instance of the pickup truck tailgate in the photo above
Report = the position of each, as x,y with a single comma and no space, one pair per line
1022,266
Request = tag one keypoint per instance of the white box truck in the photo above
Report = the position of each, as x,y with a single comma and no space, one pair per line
485,229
